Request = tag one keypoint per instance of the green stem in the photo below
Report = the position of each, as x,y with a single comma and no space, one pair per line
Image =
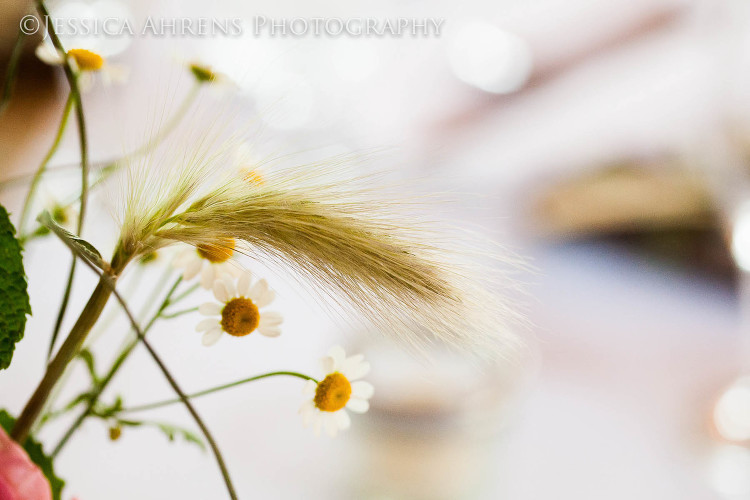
179,313
172,382
112,371
82,139
12,70
107,167
167,402
63,308
68,350
42,168
184,294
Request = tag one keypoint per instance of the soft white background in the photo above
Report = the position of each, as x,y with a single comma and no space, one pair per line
631,354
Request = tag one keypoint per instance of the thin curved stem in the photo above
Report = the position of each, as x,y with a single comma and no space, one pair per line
63,308
68,350
198,394
75,93
172,382
179,313
20,179
43,167
107,167
12,71
116,365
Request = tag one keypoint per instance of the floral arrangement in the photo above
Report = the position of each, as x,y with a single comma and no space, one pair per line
351,245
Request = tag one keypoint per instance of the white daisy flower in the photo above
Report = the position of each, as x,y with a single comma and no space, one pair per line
337,392
86,63
238,310
212,262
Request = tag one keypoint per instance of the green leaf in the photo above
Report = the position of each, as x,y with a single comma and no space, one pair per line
172,431
36,454
77,245
13,294
88,358
104,412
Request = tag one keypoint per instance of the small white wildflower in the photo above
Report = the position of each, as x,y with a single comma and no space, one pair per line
212,262
238,311
86,63
338,391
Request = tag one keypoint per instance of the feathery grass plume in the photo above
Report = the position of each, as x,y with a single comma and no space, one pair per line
350,243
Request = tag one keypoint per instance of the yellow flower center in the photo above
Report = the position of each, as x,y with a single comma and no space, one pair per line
251,176
86,60
219,252
240,317
333,392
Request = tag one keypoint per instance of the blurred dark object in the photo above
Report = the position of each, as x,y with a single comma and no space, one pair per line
11,13
658,208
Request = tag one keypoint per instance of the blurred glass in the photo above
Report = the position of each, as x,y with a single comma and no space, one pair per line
435,427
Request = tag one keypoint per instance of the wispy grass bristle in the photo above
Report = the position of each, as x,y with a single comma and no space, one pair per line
348,242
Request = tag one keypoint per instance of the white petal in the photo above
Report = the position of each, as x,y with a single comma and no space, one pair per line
85,81
104,76
192,268
243,285
358,405
338,355
265,298
211,337
309,388
330,425
210,309
307,411
362,390
233,269
326,364
207,324
354,369
184,257
343,421
208,276
271,318
269,331
116,73
220,291
48,54
258,291
349,365
230,286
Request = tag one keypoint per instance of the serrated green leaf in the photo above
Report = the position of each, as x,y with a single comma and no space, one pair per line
37,455
77,245
13,293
